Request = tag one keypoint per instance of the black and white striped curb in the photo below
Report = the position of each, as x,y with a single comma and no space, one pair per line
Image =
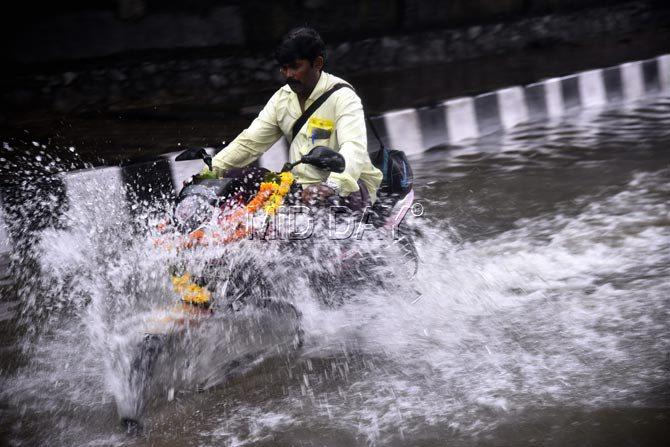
413,130
459,119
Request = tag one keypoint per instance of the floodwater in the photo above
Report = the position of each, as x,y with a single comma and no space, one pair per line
539,314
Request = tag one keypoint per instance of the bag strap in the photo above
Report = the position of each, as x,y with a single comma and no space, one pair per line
374,132
315,105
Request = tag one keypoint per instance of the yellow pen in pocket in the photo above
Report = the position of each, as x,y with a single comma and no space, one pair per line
319,128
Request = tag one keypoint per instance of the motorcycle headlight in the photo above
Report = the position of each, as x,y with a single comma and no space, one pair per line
192,212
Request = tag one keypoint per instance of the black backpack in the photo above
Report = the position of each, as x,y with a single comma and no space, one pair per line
398,177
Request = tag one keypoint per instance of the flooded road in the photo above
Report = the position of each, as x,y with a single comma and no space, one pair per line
540,313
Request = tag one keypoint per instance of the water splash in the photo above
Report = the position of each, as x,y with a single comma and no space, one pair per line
96,278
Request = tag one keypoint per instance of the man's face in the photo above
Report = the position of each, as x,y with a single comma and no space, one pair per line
301,75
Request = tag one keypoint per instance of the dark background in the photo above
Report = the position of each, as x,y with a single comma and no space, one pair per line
71,29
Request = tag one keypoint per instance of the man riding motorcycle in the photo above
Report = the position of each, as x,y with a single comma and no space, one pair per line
318,113
338,123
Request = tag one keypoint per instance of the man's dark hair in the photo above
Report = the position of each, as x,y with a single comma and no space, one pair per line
300,43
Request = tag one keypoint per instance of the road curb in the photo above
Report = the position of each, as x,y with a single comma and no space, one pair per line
464,118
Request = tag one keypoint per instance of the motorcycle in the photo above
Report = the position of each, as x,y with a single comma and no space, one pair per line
220,212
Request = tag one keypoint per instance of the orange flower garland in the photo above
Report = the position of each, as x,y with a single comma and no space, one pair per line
270,197
279,192
189,291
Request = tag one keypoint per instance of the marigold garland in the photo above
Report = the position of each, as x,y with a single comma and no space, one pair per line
279,192
269,198
190,292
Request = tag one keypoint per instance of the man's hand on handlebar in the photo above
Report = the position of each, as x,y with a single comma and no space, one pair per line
206,173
